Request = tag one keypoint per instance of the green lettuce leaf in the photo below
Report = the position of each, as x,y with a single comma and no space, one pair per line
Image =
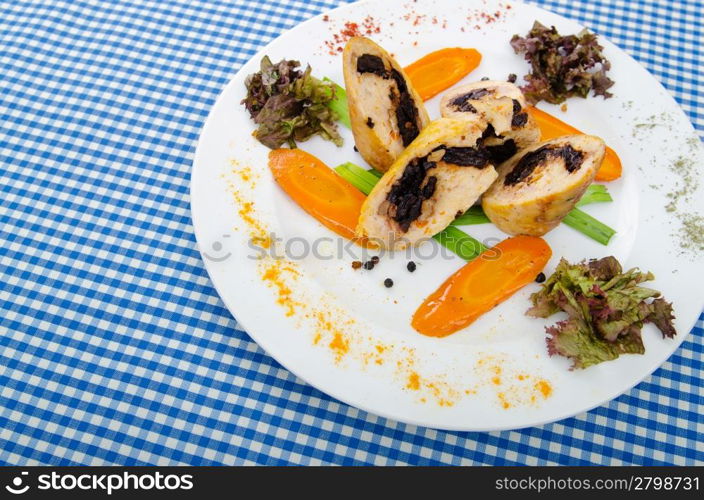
290,105
574,339
661,315
606,310
562,66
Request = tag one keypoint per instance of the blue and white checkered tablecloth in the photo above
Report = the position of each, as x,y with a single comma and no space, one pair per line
114,346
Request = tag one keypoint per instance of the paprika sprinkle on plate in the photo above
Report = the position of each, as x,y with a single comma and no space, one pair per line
368,26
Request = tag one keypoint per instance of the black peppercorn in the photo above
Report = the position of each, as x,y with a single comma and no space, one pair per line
540,278
388,282
411,266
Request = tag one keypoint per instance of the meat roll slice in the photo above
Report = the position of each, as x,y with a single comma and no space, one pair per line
385,111
439,176
537,187
502,105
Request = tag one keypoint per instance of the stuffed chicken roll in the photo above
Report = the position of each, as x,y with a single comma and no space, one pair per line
538,187
438,177
502,106
386,113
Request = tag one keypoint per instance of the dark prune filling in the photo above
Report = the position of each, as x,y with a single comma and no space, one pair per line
502,152
407,195
498,153
429,188
530,161
516,106
467,157
406,111
367,63
461,102
519,119
489,132
573,158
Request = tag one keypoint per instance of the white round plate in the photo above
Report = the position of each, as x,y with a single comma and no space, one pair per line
346,334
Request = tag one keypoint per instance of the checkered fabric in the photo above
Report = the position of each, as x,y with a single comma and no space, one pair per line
114,346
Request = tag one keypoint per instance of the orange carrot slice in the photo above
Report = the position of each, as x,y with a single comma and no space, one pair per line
551,128
318,190
481,285
434,72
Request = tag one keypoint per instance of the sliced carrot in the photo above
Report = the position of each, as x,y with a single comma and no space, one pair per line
434,72
481,285
551,128
318,190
